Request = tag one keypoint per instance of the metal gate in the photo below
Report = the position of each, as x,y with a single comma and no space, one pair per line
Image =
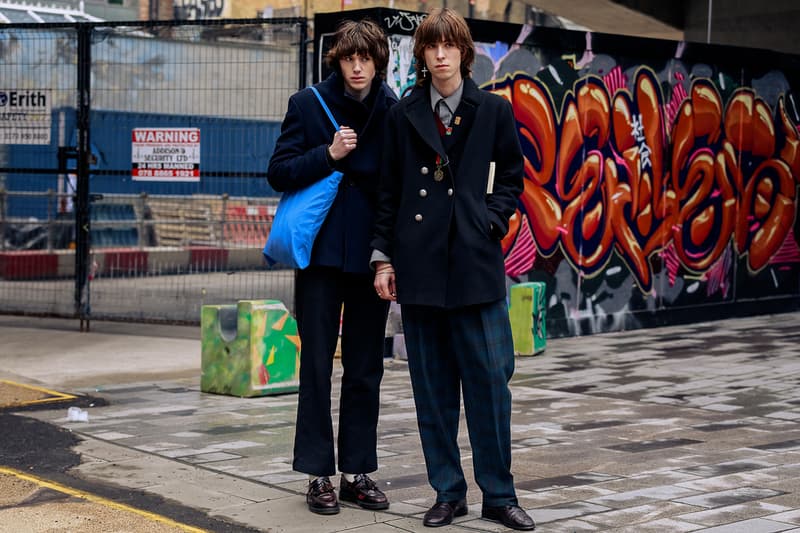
133,162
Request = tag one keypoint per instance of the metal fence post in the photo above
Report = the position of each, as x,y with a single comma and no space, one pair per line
301,84
140,216
303,55
3,200
52,209
222,220
82,220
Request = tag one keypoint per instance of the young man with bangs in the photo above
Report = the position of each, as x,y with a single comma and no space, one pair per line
339,276
451,175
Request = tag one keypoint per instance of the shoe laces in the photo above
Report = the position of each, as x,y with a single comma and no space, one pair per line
320,485
363,480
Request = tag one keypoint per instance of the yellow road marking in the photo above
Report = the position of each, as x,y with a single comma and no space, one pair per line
98,499
55,396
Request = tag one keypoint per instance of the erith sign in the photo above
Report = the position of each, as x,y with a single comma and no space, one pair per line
25,116
166,154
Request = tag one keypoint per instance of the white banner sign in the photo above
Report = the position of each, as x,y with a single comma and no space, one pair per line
25,116
166,154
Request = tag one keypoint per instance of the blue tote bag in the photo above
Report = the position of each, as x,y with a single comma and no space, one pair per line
300,215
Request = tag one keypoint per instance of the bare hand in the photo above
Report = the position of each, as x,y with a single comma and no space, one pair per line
344,141
384,281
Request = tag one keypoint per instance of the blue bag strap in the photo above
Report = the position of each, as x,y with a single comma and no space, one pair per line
325,107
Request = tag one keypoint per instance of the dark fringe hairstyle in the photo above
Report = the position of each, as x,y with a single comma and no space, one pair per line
444,24
363,37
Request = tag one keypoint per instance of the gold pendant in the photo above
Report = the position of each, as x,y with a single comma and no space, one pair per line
438,175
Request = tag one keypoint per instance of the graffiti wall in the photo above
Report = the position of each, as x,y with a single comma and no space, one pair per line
658,185
200,9
661,177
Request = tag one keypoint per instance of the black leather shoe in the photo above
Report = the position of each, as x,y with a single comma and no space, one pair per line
321,498
442,513
512,516
364,492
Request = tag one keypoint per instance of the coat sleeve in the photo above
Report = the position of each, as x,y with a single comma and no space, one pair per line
389,189
294,163
508,183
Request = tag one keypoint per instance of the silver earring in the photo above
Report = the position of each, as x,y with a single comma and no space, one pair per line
424,71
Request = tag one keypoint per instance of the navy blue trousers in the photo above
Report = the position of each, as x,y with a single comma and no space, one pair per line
467,350
321,293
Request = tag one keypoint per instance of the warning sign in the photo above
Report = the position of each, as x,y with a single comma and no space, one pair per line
25,116
166,154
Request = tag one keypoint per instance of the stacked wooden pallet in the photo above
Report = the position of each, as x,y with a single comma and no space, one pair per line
189,221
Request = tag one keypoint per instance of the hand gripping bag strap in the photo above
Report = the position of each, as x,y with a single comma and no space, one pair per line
300,215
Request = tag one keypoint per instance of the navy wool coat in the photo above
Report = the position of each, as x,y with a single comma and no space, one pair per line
300,159
443,236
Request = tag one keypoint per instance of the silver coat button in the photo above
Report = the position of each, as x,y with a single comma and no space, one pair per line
424,171
418,217
449,192
423,193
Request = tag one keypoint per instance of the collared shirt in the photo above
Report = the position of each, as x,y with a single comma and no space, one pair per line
452,101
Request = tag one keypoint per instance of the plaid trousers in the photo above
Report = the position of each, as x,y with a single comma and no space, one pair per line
467,349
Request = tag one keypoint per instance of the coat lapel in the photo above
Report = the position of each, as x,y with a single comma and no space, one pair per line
465,118
420,116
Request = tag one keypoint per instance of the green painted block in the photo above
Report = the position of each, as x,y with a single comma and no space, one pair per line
527,312
249,349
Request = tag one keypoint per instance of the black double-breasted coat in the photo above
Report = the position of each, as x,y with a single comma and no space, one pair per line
443,236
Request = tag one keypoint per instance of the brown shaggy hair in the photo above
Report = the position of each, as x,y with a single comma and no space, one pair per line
444,24
363,37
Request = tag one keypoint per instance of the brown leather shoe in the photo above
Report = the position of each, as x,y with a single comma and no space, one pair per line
364,492
512,516
442,513
321,498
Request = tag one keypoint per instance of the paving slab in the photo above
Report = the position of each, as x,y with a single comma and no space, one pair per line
690,428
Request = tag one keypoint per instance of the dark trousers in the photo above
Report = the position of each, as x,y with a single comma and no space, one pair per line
320,294
467,349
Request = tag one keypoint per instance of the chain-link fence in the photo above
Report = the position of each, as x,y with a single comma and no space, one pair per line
133,164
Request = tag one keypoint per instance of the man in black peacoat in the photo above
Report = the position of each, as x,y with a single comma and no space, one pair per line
451,177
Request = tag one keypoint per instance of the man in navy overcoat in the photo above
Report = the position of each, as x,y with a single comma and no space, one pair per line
450,180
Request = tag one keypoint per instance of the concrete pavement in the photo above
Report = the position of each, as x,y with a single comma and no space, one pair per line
686,428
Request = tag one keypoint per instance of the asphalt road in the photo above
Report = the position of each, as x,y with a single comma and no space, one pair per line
38,493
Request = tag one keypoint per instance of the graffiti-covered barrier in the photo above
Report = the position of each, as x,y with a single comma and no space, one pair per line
250,348
660,177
